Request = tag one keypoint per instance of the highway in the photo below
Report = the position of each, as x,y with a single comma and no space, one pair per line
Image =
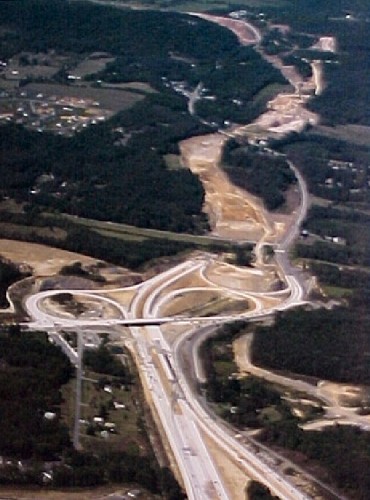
183,419
184,422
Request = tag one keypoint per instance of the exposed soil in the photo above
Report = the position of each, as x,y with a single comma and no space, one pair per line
233,213
345,394
235,480
246,35
44,260
101,493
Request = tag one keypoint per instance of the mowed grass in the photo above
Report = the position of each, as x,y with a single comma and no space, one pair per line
336,292
269,92
19,230
125,231
121,236
207,6
356,134
111,99
173,162
225,368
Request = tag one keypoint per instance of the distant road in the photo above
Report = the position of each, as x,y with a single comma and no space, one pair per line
247,33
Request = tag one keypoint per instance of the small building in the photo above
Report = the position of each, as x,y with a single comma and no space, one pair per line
49,415
118,406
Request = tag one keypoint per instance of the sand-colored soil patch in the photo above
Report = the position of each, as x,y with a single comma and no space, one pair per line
44,260
99,493
204,303
344,394
123,297
189,281
246,35
232,212
234,479
247,279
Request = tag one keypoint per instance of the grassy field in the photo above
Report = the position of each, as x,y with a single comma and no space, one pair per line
91,66
336,292
112,99
199,5
355,134
127,232
23,231
173,162
269,92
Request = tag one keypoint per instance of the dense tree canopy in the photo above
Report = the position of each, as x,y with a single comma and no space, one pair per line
26,360
260,173
329,344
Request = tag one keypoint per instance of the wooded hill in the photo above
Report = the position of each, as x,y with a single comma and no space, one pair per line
346,97
116,171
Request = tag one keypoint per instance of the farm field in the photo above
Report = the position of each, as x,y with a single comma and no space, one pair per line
114,100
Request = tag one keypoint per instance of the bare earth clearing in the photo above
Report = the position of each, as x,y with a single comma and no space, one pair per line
246,34
102,493
232,212
45,261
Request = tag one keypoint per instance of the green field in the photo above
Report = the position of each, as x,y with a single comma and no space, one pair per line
198,6
132,233
336,292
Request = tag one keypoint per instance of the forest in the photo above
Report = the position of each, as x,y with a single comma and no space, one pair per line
9,273
80,27
260,173
131,254
346,97
134,186
128,251
352,279
314,155
351,225
329,344
240,401
342,450
27,358
150,46
252,398
101,360
116,170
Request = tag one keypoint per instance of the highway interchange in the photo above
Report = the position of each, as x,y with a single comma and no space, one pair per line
184,421
157,339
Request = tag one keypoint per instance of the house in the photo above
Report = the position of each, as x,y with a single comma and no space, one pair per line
49,415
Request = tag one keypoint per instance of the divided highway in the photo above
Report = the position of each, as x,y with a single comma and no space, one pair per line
184,422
